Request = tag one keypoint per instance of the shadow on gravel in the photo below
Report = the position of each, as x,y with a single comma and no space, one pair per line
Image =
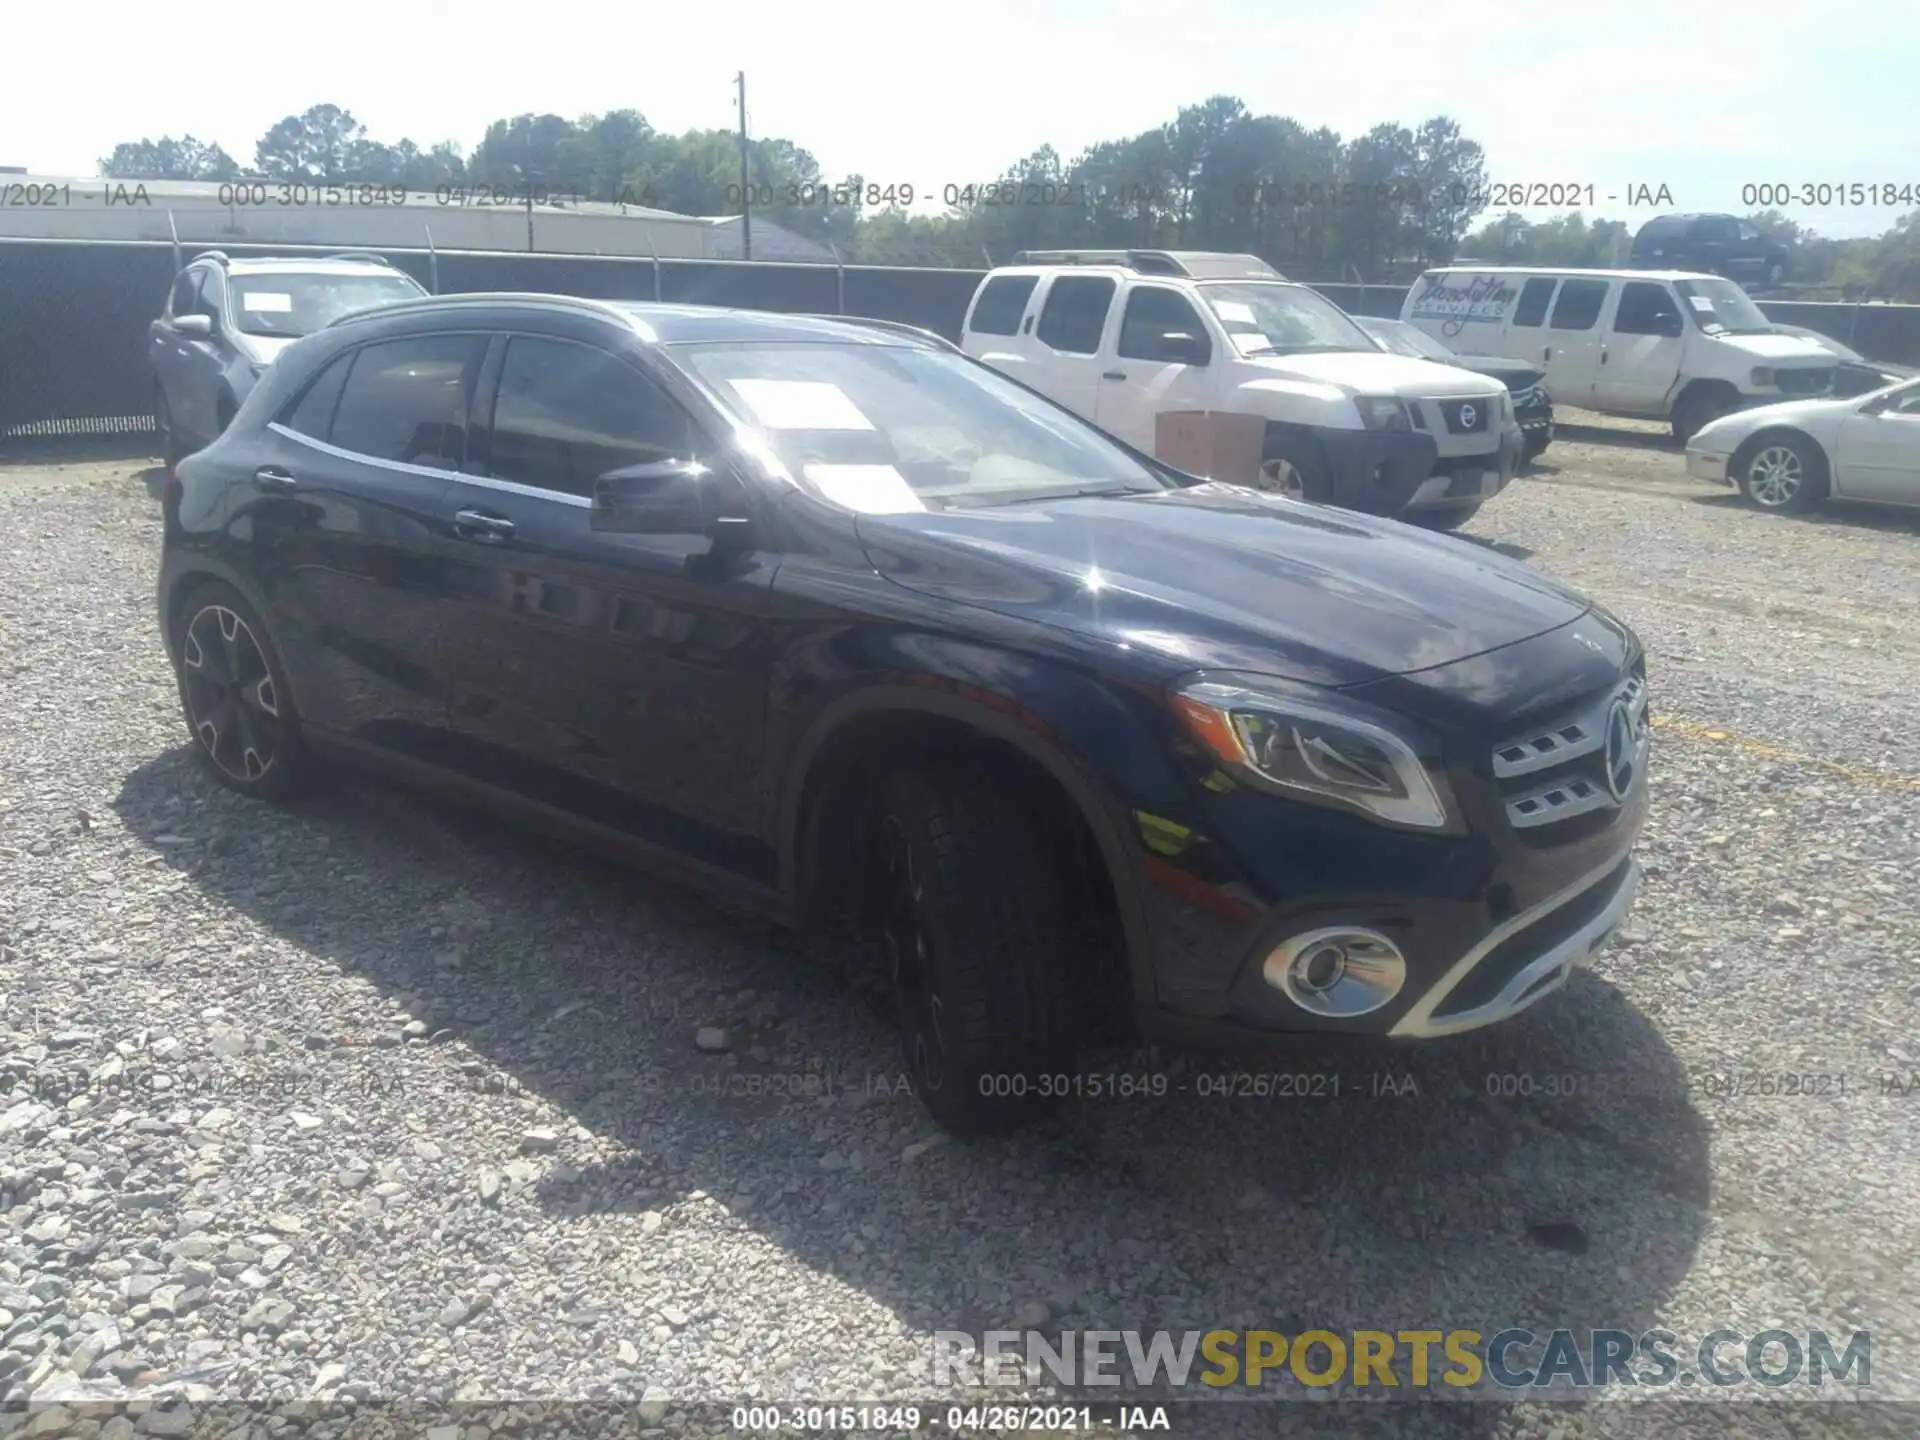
1622,439
1853,515
1550,1172
153,478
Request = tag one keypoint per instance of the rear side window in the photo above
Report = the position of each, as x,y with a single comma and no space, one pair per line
406,400
312,413
1001,304
1076,313
1579,304
1534,296
1642,306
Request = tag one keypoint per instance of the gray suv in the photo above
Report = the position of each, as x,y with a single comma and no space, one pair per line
225,320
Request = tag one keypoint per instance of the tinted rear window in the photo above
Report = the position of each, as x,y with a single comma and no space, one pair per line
406,400
1534,296
1075,314
1001,304
1579,304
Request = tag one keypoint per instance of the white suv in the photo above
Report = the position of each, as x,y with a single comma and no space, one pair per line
1122,337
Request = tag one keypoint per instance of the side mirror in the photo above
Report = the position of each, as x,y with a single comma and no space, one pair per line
199,325
1181,348
663,497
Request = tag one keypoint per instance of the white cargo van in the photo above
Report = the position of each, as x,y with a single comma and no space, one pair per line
1664,344
1122,337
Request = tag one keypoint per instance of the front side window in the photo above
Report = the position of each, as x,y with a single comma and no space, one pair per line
883,428
291,305
1721,307
1153,313
406,400
566,414
1075,315
1647,309
1268,318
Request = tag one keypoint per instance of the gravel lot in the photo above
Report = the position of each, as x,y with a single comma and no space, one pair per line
375,1099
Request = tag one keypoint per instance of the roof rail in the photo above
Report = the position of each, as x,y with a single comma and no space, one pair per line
1192,264
892,327
219,257
366,256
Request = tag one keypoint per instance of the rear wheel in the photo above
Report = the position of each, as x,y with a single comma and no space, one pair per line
1434,517
969,907
1781,473
238,706
1294,467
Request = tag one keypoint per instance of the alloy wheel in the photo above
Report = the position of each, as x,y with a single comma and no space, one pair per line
1774,476
1283,477
233,705
903,933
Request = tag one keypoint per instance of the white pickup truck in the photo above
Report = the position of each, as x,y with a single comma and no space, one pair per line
1122,337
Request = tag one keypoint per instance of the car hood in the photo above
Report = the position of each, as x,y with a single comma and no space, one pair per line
1819,417
1514,374
1775,348
1220,576
1370,372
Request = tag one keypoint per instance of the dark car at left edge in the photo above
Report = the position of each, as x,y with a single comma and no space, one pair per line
1071,748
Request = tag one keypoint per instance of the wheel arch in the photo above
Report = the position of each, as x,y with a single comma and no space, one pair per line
180,580
1703,385
1780,430
860,730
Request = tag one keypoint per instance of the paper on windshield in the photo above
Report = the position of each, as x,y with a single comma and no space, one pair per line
1251,340
270,301
800,405
1233,312
1700,302
870,489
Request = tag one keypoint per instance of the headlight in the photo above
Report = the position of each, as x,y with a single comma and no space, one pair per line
1311,746
1382,412
1762,375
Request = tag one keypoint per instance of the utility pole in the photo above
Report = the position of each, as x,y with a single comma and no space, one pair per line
746,185
527,172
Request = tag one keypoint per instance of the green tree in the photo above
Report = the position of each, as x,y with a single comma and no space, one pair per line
169,159
325,143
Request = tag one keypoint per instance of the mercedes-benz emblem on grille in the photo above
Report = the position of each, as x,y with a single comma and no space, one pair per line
1469,417
1620,748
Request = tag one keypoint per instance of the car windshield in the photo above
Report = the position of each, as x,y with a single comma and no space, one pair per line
1269,318
288,306
1403,339
1721,307
885,428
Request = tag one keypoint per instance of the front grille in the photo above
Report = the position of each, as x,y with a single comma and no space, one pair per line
1553,773
1814,381
1532,395
1466,417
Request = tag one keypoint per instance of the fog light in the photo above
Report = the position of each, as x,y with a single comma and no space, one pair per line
1337,971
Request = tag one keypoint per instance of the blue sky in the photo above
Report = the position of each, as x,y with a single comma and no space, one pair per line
1703,98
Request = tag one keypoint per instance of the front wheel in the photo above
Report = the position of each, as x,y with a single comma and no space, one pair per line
1696,410
1435,517
1294,467
1784,474
970,910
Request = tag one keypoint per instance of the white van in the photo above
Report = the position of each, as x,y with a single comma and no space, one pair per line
1122,337
1664,344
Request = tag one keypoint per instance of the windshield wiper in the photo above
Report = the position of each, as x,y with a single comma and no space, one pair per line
987,501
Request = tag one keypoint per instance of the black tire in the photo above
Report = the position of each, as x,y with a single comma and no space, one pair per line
1532,450
971,913
235,697
172,452
1780,472
1451,517
1696,410
1299,455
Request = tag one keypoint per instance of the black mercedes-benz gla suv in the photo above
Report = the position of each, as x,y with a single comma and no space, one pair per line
841,623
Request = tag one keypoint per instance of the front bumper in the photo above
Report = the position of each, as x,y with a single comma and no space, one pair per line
1465,479
1702,465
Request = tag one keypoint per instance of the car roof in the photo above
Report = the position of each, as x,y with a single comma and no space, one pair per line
306,265
663,323
1575,272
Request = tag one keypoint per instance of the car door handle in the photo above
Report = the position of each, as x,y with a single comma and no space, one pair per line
1603,354
1113,375
1547,354
272,477
483,527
